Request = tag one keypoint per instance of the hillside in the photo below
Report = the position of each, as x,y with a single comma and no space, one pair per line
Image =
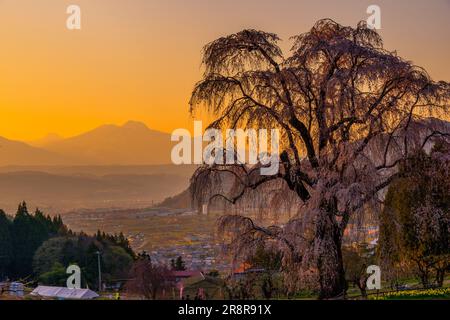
57,193
180,201
128,145
50,138
131,144
21,154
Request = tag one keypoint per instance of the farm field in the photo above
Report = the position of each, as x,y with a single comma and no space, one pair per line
147,229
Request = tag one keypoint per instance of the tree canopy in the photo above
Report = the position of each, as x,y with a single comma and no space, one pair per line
415,222
348,111
39,248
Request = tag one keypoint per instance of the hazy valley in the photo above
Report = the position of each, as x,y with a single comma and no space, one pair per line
109,167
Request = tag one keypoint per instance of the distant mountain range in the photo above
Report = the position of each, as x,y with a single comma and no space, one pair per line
131,144
43,142
19,154
109,167
56,193
112,166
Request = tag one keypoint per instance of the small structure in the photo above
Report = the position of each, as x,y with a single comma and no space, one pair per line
205,209
16,289
201,288
246,269
177,276
13,289
62,293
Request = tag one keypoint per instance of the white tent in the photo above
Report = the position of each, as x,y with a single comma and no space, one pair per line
64,293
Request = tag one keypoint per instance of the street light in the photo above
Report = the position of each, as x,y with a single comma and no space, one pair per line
98,253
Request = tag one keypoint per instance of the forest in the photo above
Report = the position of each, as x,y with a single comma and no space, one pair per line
36,249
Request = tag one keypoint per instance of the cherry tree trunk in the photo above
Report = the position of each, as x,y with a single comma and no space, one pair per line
330,265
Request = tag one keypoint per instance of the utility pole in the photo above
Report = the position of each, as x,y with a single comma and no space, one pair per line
99,272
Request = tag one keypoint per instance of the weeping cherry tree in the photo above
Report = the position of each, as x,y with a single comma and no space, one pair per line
348,112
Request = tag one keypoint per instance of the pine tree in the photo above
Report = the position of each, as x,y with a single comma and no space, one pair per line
6,248
28,232
178,264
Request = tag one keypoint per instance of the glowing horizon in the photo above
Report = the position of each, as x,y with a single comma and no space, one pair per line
139,60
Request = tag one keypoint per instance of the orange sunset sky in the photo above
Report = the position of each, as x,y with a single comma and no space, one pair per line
139,59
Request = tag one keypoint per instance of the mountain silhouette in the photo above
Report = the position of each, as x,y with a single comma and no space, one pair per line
39,143
131,144
21,154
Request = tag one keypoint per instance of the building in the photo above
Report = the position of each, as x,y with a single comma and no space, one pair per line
201,288
62,293
178,276
13,289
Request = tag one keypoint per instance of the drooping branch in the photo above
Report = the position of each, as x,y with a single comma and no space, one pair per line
349,113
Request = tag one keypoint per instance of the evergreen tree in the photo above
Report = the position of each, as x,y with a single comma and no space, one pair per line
415,223
37,246
6,248
29,232
23,241
178,264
